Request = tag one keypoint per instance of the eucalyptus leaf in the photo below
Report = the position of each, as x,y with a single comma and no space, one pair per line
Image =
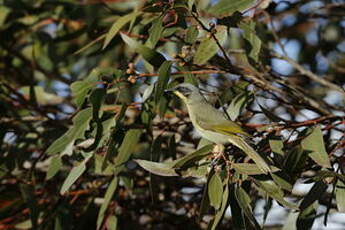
215,191
226,8
107,198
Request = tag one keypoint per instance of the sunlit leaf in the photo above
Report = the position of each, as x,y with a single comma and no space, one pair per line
250,169
236,106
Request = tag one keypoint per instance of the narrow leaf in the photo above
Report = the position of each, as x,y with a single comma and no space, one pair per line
250,169
54,167
340,195
163,79
115,28
220,212
154,58
107,198
236,106
250,35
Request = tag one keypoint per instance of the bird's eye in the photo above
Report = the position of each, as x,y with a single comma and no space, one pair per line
184,90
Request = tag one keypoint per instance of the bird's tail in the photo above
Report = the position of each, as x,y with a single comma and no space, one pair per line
243,145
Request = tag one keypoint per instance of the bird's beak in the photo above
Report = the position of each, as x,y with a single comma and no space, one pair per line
169,91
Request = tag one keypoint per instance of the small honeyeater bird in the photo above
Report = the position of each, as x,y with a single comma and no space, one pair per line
213,125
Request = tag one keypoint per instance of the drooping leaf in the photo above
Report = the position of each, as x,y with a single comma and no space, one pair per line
202,152
220,212
107,198
160,169
208,46
340,195
148,92
115,28
112,222
64,144
215,191
74,174
163,78
306,218
274,191
244,200
314,144
54,167
250,35
282,183
153,57
226,8
126,149
155,32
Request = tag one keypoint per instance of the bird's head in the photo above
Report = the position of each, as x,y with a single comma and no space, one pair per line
187,92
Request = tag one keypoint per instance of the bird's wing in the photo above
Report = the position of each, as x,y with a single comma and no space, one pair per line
223,126
235,133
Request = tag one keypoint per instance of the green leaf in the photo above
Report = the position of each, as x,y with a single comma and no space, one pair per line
54,167
215,191
79,91
315,193
28,194
208,46
115,28
340,195
244,201
236,106
154,58
107,198
155,32
64,144
160,169
274,191
282,183
220,212
148,92
314,144
200,153
250,169
250,35
126,149
306,218
276,145
73,176
192,34
226,8
163,79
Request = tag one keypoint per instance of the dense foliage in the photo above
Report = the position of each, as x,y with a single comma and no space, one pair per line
89,139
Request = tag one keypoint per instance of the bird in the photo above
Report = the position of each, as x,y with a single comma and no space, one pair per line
213,124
